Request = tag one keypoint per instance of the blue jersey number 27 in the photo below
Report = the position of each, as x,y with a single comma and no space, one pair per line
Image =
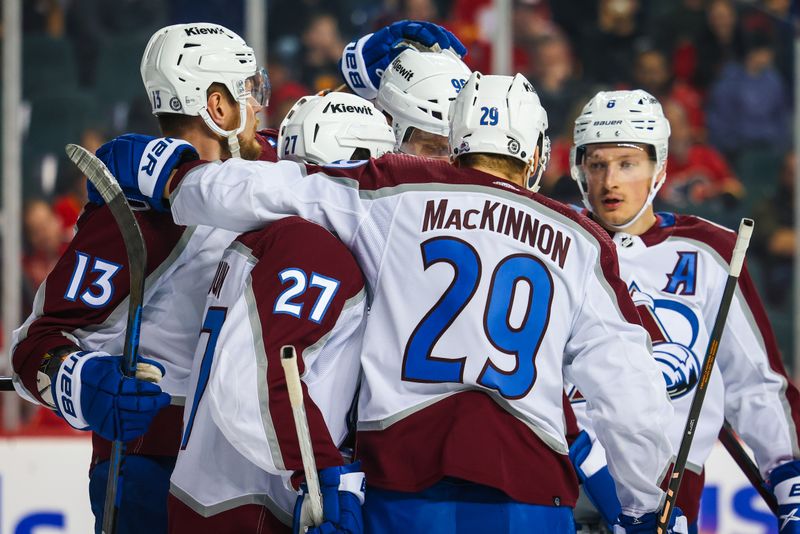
419,364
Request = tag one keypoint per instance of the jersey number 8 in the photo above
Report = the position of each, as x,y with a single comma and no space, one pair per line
419,365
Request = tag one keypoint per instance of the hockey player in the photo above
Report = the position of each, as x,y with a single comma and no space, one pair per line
332,128
460,417
291,283
675,267
205,86
415,92
414,88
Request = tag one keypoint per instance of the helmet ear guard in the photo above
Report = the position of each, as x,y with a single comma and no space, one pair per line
501,115
622,118
323,129
180,63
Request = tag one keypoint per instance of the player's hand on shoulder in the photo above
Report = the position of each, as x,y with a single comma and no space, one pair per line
590,465
364,60
647,523
91,393
142,165
784,481
342,498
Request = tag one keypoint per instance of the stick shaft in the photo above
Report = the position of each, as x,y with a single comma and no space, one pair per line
97,173
6,383
731,443
295,388
737,260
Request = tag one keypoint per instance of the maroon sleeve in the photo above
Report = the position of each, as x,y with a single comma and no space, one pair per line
294,243
98,238
268,139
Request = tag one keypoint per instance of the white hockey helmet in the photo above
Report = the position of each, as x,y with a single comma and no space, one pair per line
181,62
417,88
501,115
622,117
330,128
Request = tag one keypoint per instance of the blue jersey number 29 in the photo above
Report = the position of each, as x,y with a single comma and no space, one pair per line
419,365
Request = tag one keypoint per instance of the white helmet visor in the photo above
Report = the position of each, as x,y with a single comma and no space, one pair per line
425,144
259,87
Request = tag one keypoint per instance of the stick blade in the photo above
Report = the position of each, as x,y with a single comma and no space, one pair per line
95,170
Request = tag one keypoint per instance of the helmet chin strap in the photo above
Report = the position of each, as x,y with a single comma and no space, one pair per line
230,135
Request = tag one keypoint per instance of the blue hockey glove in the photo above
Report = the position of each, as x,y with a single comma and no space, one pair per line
91,393
784,481
590,466
142,165
342,498
646,524
363,61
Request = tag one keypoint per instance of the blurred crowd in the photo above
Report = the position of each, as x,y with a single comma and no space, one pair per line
721,68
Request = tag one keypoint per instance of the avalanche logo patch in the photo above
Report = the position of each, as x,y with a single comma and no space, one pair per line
673,328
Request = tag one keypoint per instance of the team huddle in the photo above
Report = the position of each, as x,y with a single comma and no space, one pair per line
475,357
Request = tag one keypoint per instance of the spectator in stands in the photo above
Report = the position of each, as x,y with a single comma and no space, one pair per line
285,91
720,42
69,204
748,106
651,73
43,16
419,10
676,23
556,80
46,241
773,242
607,48
697,173
774,17
323,47
556,181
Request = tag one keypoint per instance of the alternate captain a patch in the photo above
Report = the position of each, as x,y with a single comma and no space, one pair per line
683,279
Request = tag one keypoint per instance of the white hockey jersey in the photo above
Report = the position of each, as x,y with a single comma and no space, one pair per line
482,296
291,283
84,302
676,273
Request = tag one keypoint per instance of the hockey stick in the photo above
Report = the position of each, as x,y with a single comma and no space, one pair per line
737,260
731,443
109,189
289,362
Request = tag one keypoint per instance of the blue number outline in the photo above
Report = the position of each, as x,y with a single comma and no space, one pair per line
327,294
419,366
492,376
107,269
293,139
492,114
284,304
212,324
78,273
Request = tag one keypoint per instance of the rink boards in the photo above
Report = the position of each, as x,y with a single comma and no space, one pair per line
44,490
